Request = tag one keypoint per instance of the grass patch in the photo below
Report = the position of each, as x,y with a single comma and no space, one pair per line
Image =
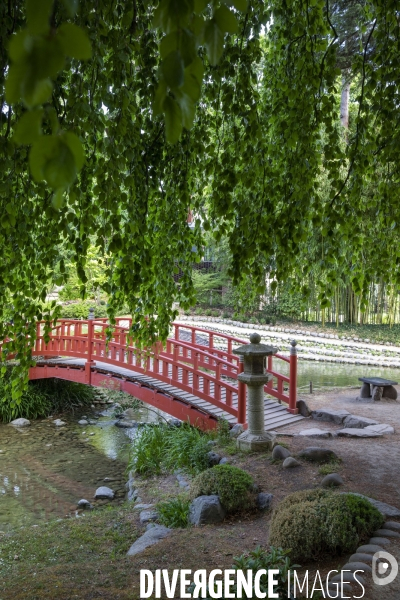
331,467
174,512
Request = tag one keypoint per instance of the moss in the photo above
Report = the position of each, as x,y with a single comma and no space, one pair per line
314,523
234,487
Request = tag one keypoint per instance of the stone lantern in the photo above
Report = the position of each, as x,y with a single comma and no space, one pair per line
255,377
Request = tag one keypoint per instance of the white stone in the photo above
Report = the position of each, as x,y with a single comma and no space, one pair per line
59,423
20,422
315,433
83,422
104,492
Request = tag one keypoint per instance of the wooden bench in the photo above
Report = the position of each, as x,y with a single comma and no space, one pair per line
377,388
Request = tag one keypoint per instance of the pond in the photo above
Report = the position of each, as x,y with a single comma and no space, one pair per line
45,470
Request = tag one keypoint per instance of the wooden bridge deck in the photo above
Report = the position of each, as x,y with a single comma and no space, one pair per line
275,413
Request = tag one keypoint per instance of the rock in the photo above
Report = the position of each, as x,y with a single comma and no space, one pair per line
143,506
206,510
151,537
327,414
357,566
380,541
290,463
360,433
390,392
355,422
84,504
369,548
132,495
182,481
174,422
386,533
124,424
264,501
224,461
148,516
365,391
376,393
303,409
318,455
20,422
280,453
83,422
213,458
315,433
391,525
361,557
387,510
381,428
332,480
104,492
211,443
236,430
59,423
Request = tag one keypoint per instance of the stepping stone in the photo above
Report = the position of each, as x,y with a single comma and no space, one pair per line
149,538
386,533
358,422
148,516
381,541
381,428
357,566
369,549
360,433
315,432
386,509
327,414
391,525
348,578
361,557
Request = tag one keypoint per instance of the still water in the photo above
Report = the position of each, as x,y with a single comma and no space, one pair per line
45,470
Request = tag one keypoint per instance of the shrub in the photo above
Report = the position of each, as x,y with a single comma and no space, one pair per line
174,513
80,310
313,523
168,448
234,487
226,315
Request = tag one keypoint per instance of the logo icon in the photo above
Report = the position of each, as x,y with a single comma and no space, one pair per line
385,568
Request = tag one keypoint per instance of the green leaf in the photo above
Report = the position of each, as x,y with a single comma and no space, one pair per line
15,76
214,41
187,107
159,98
28,128
168,44
40,152
173,69
75,145
38,16
58,200
17,48
36,92
173,120
200,5
226,20
74,41
52,160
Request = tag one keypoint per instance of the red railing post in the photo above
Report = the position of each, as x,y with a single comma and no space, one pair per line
241,395
293,379
89,361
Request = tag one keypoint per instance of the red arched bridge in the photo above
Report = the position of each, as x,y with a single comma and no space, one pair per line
192,376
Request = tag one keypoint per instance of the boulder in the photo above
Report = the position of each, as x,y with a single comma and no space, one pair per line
213,458
290,463
206,510
332,480
148,516
376,393
236,430
355,422
172,422
314,432
390,392
224,461
84,504
365,391
330,415
303,409
149,538
264,501
20,422
280,453
83,422
318,455
104,492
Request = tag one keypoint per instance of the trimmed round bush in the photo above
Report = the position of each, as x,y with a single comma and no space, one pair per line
314,523
234,487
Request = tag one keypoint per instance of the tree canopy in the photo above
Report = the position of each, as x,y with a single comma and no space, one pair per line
117,118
